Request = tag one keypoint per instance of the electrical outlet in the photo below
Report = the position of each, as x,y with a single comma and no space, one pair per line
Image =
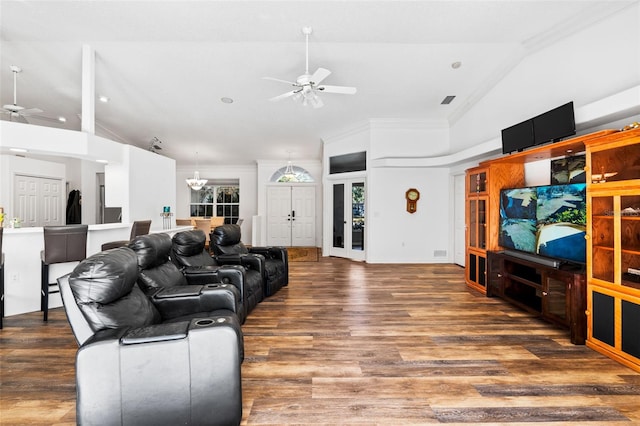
15,277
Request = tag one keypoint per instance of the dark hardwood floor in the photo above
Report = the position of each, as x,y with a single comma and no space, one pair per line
352,343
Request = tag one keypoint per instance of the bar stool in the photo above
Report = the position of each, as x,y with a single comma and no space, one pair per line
1,280
139,227
61,244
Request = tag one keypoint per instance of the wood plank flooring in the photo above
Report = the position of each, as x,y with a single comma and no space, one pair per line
352,343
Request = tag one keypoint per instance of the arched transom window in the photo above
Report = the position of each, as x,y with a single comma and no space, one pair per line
291,174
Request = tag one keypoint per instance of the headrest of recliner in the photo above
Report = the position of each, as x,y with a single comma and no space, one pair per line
188,243
105,277
226,235
152,250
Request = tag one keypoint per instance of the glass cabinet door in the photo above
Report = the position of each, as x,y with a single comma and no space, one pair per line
477,182
630,240
473,223
602,232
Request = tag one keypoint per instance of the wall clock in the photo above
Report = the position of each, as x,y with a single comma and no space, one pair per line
412,195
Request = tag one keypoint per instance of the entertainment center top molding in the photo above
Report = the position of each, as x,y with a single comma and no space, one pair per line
544,152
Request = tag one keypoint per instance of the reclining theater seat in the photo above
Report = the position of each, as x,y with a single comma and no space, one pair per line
189,254
157,271
136,367
225,241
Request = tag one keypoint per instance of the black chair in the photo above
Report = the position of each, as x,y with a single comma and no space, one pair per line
139,227
141,364
158,272
189,254
1,280
62,244
226,243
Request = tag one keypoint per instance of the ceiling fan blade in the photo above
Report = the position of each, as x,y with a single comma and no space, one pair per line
345,90
279,80
30,111
284,95
319,75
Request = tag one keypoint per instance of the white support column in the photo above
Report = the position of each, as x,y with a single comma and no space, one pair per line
88,122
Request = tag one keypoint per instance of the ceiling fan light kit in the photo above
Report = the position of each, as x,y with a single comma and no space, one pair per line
307,86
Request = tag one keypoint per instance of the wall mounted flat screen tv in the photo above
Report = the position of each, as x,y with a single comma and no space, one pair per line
518,137
555,124
547,220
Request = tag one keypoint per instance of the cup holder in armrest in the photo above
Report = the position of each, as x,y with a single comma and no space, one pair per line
204,322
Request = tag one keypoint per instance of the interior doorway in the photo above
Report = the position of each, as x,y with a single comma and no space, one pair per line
348,207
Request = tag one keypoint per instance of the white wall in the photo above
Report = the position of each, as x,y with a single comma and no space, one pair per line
597,62
396,236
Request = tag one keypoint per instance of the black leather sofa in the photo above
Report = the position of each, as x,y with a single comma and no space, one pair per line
141,364
189,254
226,244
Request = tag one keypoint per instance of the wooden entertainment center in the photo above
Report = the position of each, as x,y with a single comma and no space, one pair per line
594,304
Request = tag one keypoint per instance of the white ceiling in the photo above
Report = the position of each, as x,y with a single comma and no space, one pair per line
165,65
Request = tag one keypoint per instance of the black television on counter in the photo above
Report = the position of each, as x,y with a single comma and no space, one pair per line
518,137
546,221
555,124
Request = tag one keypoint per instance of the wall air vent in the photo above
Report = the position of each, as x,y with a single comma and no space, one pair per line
447,100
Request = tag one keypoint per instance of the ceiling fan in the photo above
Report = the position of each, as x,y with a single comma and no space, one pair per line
307,86
15,111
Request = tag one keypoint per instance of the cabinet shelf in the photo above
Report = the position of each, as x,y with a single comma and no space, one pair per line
614,246
557,295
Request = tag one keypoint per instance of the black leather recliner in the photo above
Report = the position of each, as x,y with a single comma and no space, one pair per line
138,365
157,271
226,242
189,254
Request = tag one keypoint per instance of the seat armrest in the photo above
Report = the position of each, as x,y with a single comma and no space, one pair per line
229,259
156,333
271,252
255,262
178,291
201,274
186,300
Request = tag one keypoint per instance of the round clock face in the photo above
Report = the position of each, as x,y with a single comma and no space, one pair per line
412,195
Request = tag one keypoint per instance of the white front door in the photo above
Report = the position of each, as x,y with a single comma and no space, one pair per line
291,216
348,206
38,201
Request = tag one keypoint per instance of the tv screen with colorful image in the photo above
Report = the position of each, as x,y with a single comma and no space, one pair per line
545,220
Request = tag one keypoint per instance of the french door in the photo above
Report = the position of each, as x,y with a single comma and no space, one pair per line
348,203
291,216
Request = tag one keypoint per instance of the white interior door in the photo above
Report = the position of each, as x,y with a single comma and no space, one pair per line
291,216
348,206
459,220
38,201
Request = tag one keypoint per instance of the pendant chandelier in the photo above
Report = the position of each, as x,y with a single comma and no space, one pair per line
196,183
288,171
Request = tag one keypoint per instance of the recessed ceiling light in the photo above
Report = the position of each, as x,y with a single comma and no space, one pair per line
226,100
102,161
103,98
18,150
62,119
455,65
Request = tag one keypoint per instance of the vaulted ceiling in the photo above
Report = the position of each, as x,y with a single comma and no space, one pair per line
166,65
